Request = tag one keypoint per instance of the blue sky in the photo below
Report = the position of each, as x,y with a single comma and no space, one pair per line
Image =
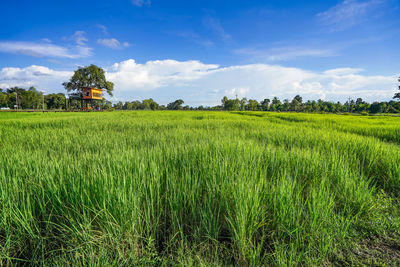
202,50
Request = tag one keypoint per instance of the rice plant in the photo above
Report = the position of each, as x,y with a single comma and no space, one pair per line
199,188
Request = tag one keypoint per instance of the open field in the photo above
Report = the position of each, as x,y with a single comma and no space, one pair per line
199,188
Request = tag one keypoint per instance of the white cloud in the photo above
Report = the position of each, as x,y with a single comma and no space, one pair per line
348,13
284,53
45,49
205,84
140,3
157,74
80,37
112,43
102,28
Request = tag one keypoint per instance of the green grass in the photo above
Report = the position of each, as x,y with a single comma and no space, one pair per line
199,188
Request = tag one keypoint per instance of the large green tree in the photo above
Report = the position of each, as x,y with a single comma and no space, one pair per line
91,76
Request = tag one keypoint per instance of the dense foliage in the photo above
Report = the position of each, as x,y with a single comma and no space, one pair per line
199,188
20,98
296,105
32,99
91,76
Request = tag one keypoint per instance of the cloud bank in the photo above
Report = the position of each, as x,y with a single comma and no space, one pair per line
205,84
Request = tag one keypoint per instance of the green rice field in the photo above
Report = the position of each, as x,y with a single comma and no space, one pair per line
192,188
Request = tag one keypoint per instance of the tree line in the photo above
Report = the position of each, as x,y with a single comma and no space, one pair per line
297,105
20,98
32,99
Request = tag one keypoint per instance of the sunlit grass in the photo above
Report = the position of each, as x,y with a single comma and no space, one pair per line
193,188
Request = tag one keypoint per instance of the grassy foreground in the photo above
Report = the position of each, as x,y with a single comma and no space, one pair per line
199,188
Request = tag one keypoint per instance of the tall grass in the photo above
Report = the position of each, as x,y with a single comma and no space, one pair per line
196,188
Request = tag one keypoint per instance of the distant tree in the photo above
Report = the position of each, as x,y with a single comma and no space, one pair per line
236,104
253,105
224,100
15,90
375,107
308,106
379,107
119,105
149,104
230,104
384,107
361,105
395,106
397,95
30,98
392,107
55,101
136,105
3,99
331,107
265,104
145,104
105,104
296,103
242,103
176,105
298,98
285,106
128,106
91,76
314,106
275,104
14,96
